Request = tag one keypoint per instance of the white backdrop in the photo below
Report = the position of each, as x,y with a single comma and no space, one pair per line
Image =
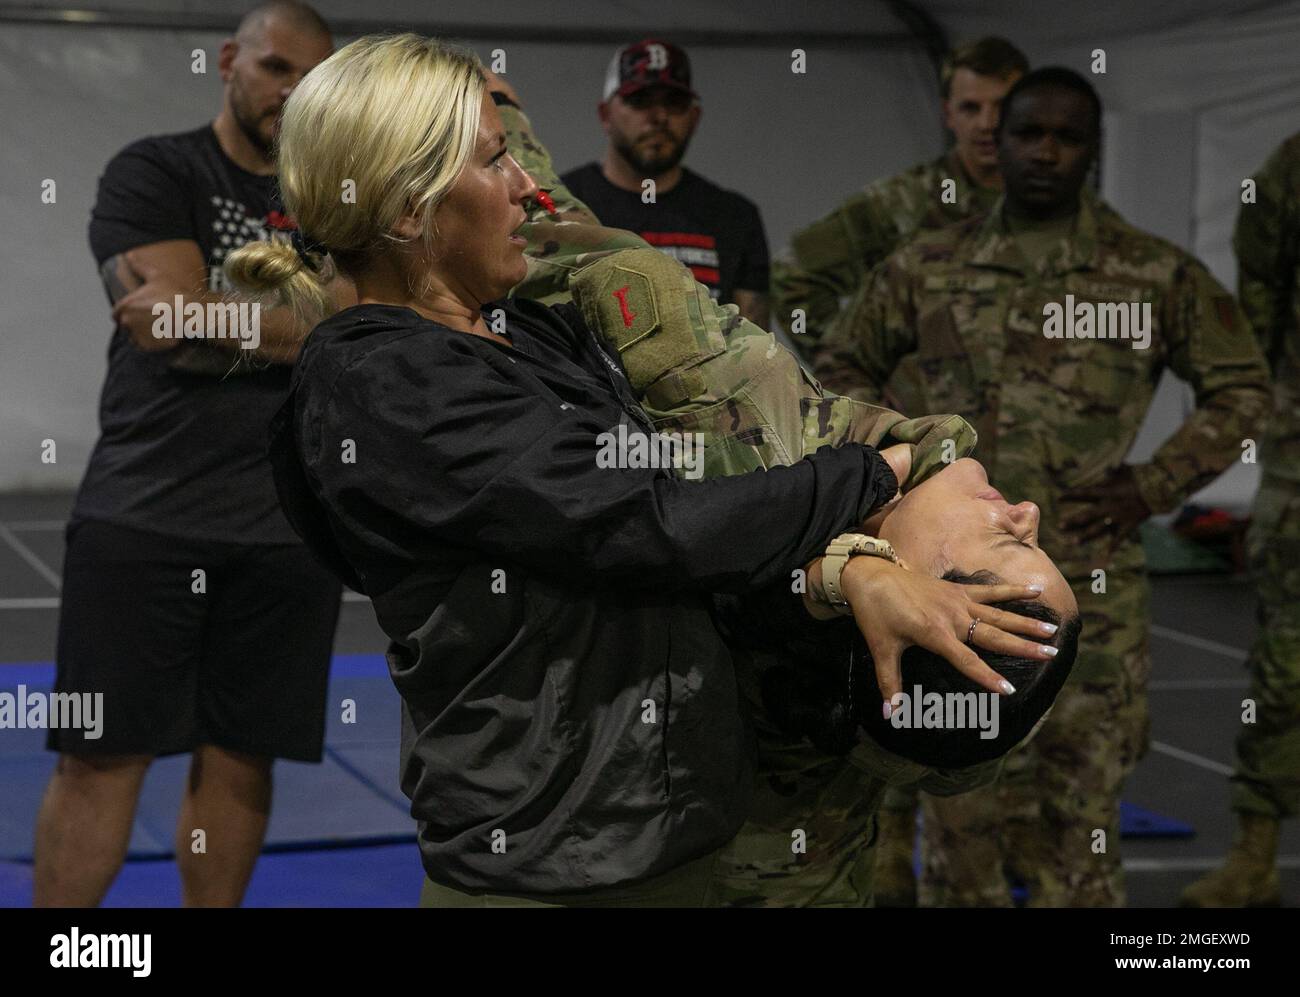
1195,100
73,96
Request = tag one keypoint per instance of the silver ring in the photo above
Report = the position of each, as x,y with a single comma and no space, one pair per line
970,634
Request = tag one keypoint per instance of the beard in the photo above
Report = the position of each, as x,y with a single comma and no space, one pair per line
652,166
248,119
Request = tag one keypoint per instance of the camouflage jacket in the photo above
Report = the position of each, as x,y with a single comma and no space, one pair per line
1056,413
827,261
1267,243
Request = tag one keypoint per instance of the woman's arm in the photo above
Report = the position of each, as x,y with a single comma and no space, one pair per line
457,445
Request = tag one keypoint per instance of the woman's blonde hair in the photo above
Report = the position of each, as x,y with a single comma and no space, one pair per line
385,125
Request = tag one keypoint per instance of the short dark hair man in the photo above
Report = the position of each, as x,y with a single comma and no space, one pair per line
649,114
1047,324
188,600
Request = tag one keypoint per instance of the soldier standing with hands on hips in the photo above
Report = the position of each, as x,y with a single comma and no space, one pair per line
1047,324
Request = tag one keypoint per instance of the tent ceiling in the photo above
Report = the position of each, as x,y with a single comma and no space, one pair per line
1036,23
827,19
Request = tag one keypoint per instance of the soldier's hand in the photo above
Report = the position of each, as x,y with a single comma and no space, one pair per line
896,608
1113,509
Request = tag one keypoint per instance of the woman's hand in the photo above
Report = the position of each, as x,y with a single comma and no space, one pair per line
896,608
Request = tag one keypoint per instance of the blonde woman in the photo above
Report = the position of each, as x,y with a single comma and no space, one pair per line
571,726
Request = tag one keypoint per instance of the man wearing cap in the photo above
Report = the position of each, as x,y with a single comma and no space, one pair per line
649,114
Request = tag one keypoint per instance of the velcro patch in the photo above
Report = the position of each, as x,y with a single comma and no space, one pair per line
635,301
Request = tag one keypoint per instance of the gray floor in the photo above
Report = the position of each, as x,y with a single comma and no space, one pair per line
1201,629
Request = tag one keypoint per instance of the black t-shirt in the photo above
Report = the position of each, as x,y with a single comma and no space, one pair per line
182,453
716,232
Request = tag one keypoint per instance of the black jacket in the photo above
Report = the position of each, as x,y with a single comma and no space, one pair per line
570,712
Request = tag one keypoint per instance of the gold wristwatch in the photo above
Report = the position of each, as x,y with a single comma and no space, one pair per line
837,555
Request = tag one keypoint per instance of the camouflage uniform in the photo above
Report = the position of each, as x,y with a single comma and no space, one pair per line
971,309
698,367
1267,242
828,260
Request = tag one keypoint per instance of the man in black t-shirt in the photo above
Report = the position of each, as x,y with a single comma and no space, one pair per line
188,602
649,114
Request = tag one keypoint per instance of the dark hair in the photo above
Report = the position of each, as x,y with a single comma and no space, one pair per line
1052,76
987,56
828,702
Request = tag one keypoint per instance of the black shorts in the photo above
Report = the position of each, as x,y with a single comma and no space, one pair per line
242,665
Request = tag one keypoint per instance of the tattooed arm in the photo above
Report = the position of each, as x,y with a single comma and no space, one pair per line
139,280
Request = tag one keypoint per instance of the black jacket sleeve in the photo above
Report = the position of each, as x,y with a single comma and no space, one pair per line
458,444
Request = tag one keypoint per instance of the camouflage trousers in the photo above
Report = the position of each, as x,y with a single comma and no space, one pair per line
809,837
697,367
1051,820
1267,779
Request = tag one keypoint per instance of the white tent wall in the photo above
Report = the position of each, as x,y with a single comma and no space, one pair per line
1196,98
72,96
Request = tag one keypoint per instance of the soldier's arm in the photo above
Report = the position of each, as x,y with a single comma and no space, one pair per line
1211,347
691,324
826,264
863,346
559,242
1265,244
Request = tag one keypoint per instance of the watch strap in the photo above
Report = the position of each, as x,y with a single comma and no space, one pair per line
838,552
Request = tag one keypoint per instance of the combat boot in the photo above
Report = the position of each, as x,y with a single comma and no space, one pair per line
1248,877
895,877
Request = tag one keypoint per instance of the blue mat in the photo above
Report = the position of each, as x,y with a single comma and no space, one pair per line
351,797
380,876
1135,822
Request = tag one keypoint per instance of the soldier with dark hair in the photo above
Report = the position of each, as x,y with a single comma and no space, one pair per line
1047,324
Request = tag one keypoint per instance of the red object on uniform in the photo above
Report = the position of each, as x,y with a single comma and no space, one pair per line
544,199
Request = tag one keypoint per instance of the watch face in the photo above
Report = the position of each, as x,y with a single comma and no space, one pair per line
874,545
